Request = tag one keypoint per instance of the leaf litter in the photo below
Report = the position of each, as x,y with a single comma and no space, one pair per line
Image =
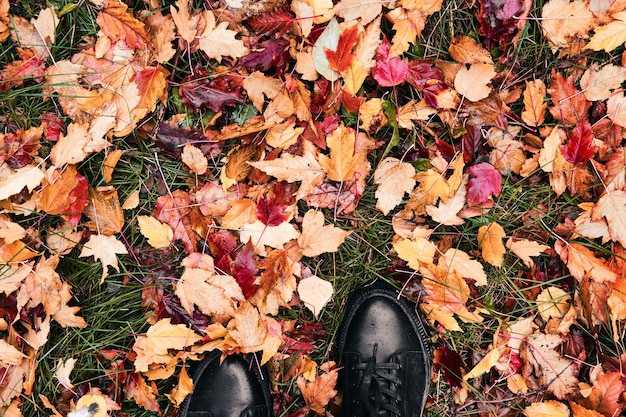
269,184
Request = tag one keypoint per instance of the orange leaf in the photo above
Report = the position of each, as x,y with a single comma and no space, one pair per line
343,160
317,238
118,24
104,211
144,395
318,393
248,328
182,389
490,241
534,104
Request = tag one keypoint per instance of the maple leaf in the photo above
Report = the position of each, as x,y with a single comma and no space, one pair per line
394,179
65,315
490,241
194,159
118,24
15,181
38,34
389,71
460,262
579,149
341,57
610,206
4,20
580,411
63,371
321,390
486,182
202,288
262,235
415,251
215,93
159,235
364,10
217,41
472,82
616,109
534,105
145,395
317,238
186,25
446,213
66,193
557,373
104,248
247,328
258,85
104,211
580,261
183,388
344,159
315,292
70,147
174,210
525,248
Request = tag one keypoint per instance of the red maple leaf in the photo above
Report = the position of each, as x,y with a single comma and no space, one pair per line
270,212
420,72
578,149
213,93
80,195
487,181
244,269
389,71
342,57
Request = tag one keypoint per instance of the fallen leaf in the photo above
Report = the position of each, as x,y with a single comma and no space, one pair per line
556,373
484,365
490,241
525,248
197,287
317,238
344,159
110,163
534,103
182,389
318,393
315,293
104,249
262,235
460,262
389,70
563,21
163,335
118,24
552,302
610,207
104,211
579,148
194,159
159,235
63,371
27,177
472,83
466,50
248,328
217,41
550,408
394,179
580,261
447,213
415,251
486,182
609,36
599,83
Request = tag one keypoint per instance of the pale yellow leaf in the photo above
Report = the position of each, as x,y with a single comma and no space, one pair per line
63,371
446,213
414,111
490,241
473,82
416,251
69,147
201,288
11,232
563,21
132,201
394,179
194,159
552,302
315,293
589,228
239,213
317,238
550,149
580,261
609,36
283,135
159,235
525,249
616,108
599,83
365,10
467,50
163,335
247,328
258,86
612,207
183,20
262,235
29,176
464,265
557,373
9,355
218,41
104,249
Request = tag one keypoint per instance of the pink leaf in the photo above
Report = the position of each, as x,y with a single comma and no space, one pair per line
487,181
389,72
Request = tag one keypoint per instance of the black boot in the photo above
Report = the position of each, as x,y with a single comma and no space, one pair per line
238,387
385,356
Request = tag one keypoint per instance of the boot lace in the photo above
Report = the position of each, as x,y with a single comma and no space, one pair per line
379,387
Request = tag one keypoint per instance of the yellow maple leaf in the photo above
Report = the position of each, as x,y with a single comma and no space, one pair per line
163,335
194,159
525,248
611,207
14,182
258,86
484,365
394,179
186,25
201,288
317,238
159,235
563,21
581,261
104,248
466,50
415,251
490,241
217,40
247,328
460,262
344,160
446,213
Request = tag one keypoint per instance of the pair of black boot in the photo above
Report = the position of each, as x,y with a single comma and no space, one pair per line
383,351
